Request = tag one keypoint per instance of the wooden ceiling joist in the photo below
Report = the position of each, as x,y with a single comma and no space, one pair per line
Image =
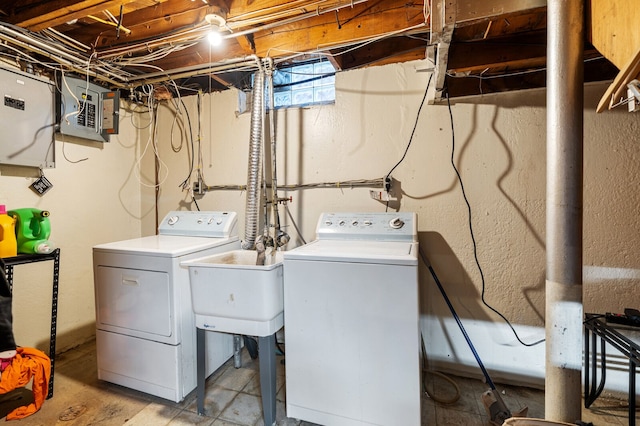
385,50
54,13
351,26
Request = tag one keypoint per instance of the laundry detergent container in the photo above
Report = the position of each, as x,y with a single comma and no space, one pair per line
231,285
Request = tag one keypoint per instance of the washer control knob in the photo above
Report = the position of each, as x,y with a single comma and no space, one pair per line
354,223
368,223
219,222
200,220
396,223
342,223
328,222
173,220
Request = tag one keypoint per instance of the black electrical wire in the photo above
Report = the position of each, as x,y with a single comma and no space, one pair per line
473,239
415,125
196,203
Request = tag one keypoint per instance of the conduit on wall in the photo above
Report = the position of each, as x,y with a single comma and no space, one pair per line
565,102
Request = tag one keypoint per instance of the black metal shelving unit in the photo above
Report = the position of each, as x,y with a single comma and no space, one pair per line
23,259
623,338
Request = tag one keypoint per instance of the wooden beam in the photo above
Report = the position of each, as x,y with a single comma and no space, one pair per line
218,78
201,53
148,23
470,10
443,20
511,53
246,44
502,26
595,70
262,11
315,34
328,31
390,50
411,55
54,13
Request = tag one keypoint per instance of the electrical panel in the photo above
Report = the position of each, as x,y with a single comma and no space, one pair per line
87,110
27,119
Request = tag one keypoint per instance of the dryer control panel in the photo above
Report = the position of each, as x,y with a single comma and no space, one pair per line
199,224
397,226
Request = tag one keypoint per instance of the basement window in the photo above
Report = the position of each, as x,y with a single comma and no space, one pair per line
301,85
304,85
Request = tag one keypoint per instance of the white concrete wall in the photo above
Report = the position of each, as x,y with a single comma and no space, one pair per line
500,153
95,198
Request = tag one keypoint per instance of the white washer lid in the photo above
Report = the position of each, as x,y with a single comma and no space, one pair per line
164,245
377,252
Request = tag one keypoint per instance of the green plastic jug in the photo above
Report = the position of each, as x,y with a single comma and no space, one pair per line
32,230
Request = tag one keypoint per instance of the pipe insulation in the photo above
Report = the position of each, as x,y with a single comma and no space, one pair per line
255,162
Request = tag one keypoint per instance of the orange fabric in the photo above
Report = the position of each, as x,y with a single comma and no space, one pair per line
28,362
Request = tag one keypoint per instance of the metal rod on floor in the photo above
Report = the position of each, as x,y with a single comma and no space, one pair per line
502,412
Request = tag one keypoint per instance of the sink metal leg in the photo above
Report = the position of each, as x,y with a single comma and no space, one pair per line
267,355
200,369
237,347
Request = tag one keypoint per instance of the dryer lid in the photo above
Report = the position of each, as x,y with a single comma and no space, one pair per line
164,245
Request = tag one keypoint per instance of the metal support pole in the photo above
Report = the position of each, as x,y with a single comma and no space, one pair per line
564,311
267,350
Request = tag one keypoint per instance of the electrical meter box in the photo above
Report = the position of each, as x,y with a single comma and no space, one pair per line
87,110
27,119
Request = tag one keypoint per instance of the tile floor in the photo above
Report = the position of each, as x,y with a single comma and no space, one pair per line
233,398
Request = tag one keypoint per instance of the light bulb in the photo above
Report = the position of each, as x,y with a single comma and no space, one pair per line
214,36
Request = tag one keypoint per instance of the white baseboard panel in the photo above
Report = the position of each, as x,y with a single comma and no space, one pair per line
506,360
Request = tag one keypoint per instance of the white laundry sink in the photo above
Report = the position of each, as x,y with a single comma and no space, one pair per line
231,286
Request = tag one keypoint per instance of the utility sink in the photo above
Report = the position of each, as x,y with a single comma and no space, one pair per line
231,294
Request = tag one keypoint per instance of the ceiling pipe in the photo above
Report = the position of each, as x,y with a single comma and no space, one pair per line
61,61
29,43
193,71
564,309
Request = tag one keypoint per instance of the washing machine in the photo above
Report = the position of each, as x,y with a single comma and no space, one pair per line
351,322
145,329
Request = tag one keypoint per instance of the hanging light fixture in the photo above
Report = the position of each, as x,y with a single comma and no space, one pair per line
216,23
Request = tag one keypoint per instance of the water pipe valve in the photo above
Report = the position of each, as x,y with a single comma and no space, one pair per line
282,238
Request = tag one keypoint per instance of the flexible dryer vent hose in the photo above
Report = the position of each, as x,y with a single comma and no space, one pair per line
255,162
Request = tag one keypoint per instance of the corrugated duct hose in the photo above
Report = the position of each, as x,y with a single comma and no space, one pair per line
255,163
254,172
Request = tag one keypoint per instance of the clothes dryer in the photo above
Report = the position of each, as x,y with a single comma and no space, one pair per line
145,329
